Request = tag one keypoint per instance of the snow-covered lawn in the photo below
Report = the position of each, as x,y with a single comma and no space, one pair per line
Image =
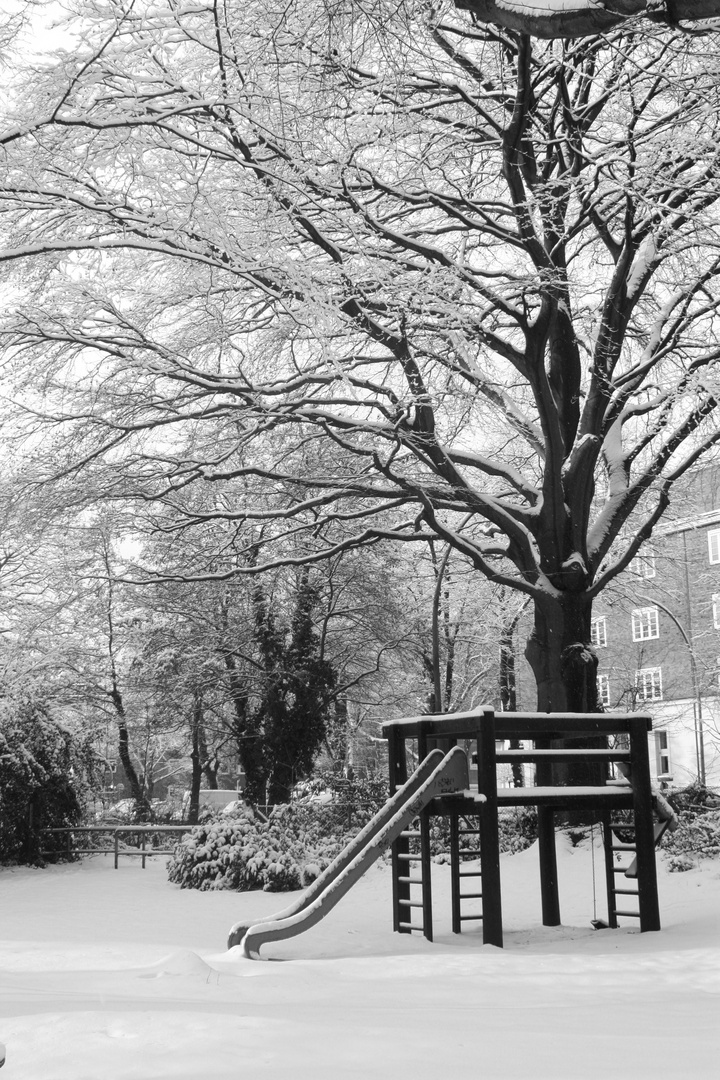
107,974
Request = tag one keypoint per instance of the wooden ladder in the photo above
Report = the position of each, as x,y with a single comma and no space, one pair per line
462,853
411,872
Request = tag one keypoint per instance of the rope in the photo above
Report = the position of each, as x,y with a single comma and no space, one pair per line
592,848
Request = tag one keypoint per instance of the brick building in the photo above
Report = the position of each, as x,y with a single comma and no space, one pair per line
657,636
656,632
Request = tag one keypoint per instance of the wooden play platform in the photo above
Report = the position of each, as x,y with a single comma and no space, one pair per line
624,806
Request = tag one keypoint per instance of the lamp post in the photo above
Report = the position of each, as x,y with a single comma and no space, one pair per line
697,693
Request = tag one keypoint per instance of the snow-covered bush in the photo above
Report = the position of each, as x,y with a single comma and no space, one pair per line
287,850
42,779
696,838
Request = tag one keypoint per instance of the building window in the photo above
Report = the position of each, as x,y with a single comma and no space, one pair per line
644,565
662,753
714,545
648,684
645,624
603,686
598,632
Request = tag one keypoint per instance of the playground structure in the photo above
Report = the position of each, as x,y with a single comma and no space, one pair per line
626,808
440,787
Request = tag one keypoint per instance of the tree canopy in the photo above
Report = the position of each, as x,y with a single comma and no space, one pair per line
373,271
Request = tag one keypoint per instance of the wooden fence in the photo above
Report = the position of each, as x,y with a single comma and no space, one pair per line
116,840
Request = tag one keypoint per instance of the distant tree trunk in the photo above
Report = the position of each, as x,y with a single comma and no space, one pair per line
196,762
137,788
210,768
249,745
508,685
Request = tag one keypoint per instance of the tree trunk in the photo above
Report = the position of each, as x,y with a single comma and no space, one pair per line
508,687
196,763
280,784
210,768
249,746
137,788
565,665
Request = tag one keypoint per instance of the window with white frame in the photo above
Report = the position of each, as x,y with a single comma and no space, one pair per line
644,564
603,686
662,753
598,632
714,545
645,624
648,684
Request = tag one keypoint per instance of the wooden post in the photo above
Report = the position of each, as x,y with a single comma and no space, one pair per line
549,891
489,839
401,847
549,894
455,873
425,874
644,831
609,870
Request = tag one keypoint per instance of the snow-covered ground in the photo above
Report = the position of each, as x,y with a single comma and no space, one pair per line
110,974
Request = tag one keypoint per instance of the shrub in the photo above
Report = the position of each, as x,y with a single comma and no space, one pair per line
287,850
696,838
42,779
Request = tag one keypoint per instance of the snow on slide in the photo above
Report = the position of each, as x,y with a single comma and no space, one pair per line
438,774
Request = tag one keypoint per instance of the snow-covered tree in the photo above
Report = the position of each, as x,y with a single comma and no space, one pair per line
398,274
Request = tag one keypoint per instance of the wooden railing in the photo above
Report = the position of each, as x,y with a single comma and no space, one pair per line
116,840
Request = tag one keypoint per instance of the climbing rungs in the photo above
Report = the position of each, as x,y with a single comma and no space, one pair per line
468,832
625,892
471,896
411,880
411,926
411,834
628,914
619,869
470,873
624,847
471,918
469,851
407,856
409,903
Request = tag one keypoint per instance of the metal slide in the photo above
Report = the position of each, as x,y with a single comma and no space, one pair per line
437,775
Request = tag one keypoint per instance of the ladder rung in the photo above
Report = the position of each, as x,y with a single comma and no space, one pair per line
471,918
468,832
411,926
628,914
410,903
411,833
469,851
471,896
407,857
625,892
623,847
411,880
469,873
620,869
